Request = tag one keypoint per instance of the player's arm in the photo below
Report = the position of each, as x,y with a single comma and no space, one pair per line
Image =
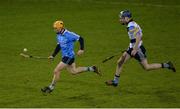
138,39
76,37
56,50
133,30
81,43
135,48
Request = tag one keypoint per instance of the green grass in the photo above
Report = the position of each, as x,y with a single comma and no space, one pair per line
28,24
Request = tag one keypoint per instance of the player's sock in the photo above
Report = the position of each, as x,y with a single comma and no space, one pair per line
165,65
52,85
116,79
90,69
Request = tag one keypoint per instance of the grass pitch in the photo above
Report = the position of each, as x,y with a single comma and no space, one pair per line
28,24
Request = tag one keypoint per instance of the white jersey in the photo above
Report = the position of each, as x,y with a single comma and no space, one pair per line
133,29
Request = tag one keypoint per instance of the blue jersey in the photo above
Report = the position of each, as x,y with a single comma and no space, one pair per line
66,41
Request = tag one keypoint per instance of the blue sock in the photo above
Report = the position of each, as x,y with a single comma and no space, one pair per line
116,79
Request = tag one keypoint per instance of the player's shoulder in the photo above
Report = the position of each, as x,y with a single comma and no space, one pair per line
132,24
68,32
72,33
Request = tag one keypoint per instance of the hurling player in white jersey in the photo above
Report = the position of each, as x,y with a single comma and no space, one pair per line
136,49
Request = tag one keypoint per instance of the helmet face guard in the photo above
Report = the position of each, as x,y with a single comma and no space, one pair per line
123,17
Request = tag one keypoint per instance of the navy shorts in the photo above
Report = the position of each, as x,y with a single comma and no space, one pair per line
140,55
67,60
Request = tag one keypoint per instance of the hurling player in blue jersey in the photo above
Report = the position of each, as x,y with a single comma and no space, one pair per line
66,40
135,50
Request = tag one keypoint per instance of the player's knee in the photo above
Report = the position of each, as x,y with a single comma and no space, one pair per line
146,67
56,72
73,72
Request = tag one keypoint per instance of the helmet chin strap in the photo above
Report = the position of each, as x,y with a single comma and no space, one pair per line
61,31
129,21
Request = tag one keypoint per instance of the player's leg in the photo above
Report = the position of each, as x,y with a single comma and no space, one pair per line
56,72
73,70
121,61
76,70
124,58
154,66
141,57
